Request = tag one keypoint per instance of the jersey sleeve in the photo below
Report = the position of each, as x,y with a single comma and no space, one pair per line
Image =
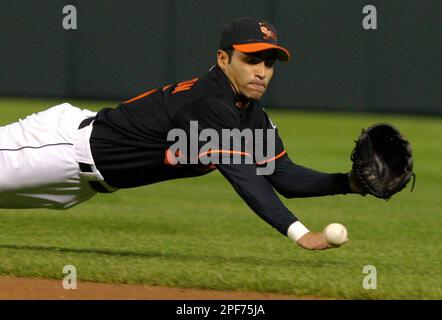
258,194
254,189
295,181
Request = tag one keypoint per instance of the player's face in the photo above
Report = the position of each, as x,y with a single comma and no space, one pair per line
250,74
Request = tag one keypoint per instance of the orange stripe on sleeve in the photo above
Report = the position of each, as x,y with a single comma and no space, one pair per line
140,96
182,88
185,85
167,87
272,159
223,151
191,81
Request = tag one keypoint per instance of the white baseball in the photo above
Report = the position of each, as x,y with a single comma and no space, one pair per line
336,234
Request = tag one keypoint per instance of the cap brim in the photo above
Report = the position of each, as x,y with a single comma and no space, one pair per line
283,54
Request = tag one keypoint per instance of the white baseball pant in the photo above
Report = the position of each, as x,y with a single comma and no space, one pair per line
39,160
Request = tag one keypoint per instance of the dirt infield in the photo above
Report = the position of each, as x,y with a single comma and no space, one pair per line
13,288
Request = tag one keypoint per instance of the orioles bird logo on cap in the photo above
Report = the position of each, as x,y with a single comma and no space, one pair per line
267,32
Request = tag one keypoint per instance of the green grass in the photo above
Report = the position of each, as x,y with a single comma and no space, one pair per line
198,233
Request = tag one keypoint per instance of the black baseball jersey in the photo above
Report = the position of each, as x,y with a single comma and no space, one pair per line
130,146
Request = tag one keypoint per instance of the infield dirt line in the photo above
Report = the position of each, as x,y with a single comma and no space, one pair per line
14,288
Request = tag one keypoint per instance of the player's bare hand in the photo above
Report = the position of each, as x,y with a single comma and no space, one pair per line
314,241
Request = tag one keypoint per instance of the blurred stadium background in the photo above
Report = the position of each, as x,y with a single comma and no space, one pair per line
122,48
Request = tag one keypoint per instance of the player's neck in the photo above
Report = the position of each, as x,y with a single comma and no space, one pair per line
242,104
241,101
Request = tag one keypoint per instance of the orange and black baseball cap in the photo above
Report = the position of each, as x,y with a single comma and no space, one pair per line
250,35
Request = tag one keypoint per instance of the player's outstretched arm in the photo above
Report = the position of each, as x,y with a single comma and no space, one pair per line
295,181
260,197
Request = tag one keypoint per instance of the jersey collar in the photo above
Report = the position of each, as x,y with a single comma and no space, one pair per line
223,81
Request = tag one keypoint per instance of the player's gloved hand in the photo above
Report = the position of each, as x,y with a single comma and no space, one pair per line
354,185
314,241
382,162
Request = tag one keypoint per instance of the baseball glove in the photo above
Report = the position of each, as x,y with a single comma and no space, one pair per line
382,162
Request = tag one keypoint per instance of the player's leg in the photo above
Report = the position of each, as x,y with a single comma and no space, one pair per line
38,163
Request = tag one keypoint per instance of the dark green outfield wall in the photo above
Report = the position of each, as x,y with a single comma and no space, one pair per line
122,48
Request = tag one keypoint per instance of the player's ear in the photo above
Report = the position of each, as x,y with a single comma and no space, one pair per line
222,59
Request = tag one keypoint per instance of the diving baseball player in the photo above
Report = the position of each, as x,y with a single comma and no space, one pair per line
64,155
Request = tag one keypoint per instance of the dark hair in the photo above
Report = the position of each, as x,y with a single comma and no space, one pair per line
229,52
